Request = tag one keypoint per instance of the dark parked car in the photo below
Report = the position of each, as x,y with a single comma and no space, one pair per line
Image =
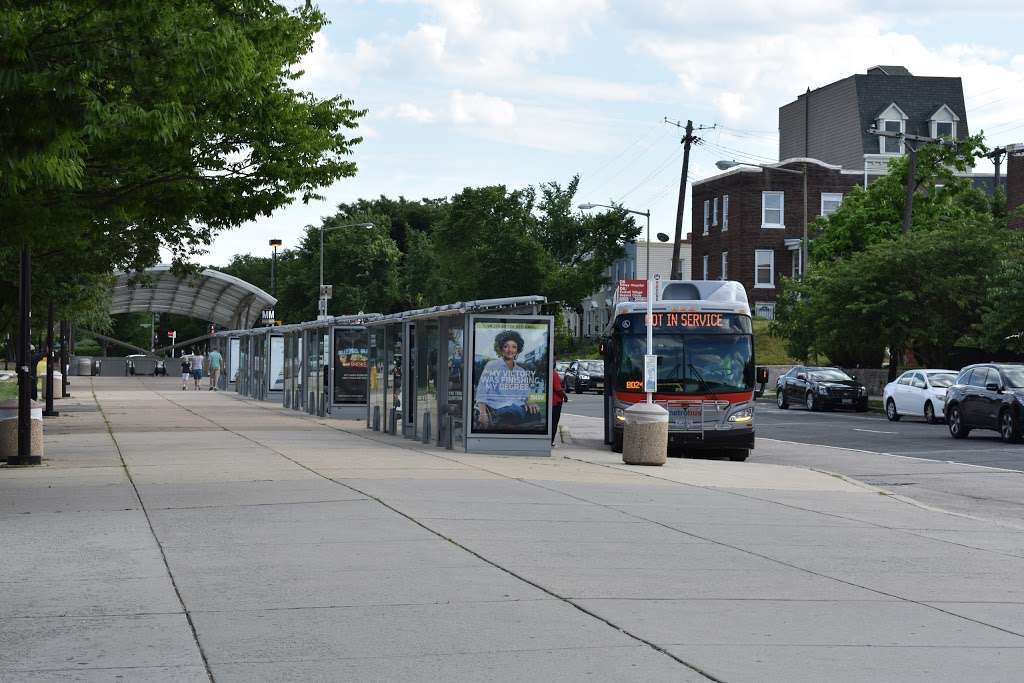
987,396
585,375
818,388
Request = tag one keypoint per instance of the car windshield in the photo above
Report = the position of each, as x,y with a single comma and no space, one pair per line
592,366
829,375
561,365
941,380
1014,376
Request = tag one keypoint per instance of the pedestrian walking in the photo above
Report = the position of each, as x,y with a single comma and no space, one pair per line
197,369
215,360
186,372
558,397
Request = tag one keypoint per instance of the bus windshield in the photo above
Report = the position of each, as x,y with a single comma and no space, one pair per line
688,363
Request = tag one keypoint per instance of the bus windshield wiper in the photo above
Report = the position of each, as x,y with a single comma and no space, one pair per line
707,386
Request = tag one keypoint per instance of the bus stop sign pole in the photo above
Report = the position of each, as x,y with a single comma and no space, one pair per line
650,360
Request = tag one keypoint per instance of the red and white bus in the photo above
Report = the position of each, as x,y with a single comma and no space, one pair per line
703,337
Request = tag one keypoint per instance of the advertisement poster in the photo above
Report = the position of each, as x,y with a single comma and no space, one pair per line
351,365
455,363
510,376
234,354
276,377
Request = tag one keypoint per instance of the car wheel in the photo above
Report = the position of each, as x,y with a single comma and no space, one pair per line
955,422
1009,428
890,411
780,399
810,401
929,413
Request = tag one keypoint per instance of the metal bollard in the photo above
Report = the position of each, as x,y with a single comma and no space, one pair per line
392,420
426,428
450,437
376,418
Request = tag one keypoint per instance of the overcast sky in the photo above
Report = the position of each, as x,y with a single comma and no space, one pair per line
517,92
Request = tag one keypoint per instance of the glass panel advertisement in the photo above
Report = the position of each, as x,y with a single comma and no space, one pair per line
275,380
234,355
455,363
351,364
510,376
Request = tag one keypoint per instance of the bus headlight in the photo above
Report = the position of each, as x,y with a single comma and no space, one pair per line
742,415
620,414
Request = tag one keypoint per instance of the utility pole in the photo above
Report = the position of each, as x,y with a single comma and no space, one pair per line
996,155
912,143
688,139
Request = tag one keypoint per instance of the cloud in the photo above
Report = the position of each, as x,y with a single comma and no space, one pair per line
413,112
477,108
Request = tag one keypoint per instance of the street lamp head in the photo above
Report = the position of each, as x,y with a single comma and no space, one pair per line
587,206
662,237
276,243
725,164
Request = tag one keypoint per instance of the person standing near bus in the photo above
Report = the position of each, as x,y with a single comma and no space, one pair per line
558,397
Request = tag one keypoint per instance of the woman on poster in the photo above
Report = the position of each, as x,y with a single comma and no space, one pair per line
503,391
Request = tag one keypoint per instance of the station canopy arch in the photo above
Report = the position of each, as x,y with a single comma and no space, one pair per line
222,299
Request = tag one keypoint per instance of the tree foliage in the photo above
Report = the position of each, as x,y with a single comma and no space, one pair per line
132,126
872,286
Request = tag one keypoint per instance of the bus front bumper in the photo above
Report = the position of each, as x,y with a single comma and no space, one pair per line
711,440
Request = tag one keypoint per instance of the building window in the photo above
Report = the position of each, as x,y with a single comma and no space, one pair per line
704,260
764,269
945,129
830,202
714,211
707,215
892,145
771,209
725,213
798,254
725,266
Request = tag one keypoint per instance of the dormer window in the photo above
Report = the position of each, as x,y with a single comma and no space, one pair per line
943,123
891,120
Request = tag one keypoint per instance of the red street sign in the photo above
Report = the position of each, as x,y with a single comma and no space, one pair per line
632,290
171,334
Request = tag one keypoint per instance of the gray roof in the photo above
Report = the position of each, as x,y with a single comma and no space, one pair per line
918,96
211,295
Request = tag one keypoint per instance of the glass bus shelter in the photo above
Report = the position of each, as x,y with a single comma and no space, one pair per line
438,375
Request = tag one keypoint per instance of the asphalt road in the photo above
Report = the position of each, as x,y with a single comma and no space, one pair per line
870,432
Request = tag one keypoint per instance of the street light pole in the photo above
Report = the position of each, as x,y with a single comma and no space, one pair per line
275,243
322,305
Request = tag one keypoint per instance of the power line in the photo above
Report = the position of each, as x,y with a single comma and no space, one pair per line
661,167
653,127
622,167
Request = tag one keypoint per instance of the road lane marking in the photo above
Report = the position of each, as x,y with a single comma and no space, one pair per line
873,431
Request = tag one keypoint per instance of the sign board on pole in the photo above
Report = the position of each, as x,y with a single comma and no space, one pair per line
632,290
326,291
650,373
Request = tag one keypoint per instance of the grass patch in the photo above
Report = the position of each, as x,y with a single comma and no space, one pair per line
769,349
8,389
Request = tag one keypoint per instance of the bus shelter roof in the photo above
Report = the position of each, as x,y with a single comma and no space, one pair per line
222,299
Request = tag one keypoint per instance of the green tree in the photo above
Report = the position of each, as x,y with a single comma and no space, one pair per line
136,125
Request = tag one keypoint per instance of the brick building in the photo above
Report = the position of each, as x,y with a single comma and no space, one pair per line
748,222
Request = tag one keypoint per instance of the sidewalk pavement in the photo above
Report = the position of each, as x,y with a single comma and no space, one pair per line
191,536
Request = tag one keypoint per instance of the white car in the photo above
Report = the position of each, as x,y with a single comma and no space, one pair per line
918,392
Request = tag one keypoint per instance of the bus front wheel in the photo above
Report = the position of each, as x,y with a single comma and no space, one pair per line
616,442
738,454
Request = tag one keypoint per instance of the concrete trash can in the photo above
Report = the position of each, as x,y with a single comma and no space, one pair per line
41,384
9,429
645,435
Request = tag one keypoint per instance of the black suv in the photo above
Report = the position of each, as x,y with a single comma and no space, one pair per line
818,388
584,375
987,396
